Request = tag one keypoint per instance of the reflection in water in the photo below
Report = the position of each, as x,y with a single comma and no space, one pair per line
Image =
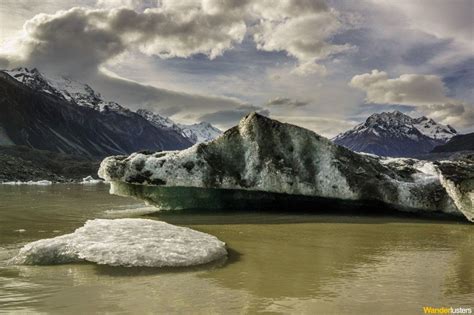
279,263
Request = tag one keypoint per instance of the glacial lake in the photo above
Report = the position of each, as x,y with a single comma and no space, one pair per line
278,262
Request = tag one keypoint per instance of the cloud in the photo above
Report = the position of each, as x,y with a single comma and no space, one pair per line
459,115
182,107
425,15
230,117
176,33
302,29
4,63
287,102
408,89
426,92
70,42
324,126
139,5
81,39
450,21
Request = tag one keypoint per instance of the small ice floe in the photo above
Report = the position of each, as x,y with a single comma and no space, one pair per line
126,242
20,230
130,212
31,182
89,180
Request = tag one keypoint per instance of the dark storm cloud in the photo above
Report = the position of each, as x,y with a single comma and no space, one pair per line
69,42
81,39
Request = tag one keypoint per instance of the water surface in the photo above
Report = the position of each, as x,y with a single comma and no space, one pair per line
278,262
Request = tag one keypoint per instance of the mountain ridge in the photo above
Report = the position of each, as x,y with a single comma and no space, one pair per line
41,119
395,134
84,95
457,143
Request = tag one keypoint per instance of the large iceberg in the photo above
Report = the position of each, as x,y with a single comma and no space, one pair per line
126,242
262,163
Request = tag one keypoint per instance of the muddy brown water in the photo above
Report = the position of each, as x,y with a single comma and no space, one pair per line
278,262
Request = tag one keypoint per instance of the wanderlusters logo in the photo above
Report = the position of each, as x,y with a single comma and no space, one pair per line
447,310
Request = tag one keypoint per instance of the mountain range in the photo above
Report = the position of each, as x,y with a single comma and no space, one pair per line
396,134
62,115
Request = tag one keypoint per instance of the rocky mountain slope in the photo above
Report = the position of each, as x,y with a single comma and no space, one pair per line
395,134
83,95
457,143
262,163
64,116
21,163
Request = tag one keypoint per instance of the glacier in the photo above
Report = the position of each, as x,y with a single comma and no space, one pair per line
266,163
125,242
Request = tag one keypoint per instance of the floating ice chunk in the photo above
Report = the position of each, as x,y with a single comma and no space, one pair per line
264,163
50,251
130,212
126,242
89,180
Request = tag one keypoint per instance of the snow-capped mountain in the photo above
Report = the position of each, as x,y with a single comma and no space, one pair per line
65,88
137,130
200,132
157,119
197,133
61,115
395,134
434,130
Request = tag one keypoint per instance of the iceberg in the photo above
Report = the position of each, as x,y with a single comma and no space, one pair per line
89,180
262,163
125,242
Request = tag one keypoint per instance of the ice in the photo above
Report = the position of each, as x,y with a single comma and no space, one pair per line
89,180
263,155
126,242
31,182
130,212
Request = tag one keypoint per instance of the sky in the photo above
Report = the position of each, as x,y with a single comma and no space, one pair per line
322,64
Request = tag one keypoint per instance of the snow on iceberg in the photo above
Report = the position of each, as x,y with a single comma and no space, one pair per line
126,242
131,211
263,160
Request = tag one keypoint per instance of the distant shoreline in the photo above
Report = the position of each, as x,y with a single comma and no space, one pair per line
24,164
